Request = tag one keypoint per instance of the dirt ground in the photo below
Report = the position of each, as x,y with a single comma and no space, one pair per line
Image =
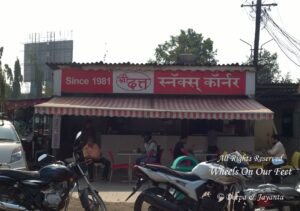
123,206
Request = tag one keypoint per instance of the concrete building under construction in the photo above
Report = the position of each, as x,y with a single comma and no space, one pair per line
40,50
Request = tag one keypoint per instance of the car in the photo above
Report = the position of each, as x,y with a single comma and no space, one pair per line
12,154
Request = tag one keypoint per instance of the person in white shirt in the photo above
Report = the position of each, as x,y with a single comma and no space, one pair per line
151,150
277,151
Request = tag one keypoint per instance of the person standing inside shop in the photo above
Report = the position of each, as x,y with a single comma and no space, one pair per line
150,146
89,130
212,148
179,149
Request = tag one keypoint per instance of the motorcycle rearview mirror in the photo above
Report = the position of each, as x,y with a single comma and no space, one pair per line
45,159
42,157
78,142
78,135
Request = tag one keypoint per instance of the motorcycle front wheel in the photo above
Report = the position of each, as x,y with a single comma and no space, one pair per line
146,200
91,200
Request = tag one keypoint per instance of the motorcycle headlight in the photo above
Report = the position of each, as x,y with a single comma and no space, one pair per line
16,155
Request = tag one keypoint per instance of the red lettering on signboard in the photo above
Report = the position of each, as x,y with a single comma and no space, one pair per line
86,81
134,81
200,82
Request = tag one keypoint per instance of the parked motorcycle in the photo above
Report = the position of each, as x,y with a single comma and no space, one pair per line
270,197
211,185
51,187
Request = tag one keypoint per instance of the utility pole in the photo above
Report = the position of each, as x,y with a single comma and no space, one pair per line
258,6
257,32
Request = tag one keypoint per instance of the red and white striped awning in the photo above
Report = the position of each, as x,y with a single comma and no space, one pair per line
157,107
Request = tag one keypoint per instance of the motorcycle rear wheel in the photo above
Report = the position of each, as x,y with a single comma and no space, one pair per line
141,203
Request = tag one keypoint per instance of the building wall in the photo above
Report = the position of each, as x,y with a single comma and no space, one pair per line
263,130
39,53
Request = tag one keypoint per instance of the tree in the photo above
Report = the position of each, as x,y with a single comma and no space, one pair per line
17,80
187,42
2,80
8,72
8,77
268,69
286,79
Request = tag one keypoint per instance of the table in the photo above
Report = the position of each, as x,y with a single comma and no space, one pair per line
130,154
201,155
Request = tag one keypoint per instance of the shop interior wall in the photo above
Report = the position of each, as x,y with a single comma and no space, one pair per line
116,143
125,134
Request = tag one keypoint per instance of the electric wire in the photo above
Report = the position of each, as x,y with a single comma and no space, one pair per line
289,45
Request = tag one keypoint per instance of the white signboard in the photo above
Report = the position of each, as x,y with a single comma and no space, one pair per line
133,81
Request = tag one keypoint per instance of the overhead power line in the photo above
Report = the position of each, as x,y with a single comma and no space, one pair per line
289,45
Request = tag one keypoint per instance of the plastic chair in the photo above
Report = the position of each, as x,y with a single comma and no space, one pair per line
115,166
180,163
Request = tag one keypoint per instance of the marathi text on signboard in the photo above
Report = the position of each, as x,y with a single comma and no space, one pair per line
132,82
206,82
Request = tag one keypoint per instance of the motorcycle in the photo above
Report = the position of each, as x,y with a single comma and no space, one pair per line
206,187
212,185
270,197
50,188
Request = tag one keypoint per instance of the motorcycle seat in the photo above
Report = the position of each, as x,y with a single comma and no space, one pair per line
20,175
288,191
182,175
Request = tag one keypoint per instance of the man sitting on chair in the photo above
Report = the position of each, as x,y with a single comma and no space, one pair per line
277,152
92,153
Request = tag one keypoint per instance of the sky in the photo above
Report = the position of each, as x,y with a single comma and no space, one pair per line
130,30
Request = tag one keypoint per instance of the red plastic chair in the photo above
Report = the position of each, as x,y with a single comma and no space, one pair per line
115,166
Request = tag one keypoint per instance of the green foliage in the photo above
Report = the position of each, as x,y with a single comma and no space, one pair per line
9,82
18,79
187,42
8,91
2,79
287,78
8,73
269,69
